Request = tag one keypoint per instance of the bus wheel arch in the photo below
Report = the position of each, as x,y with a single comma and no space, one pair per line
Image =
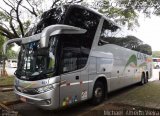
100,87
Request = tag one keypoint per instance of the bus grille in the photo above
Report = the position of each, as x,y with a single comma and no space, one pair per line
26,91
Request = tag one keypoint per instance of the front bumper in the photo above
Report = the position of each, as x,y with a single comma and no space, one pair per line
48,100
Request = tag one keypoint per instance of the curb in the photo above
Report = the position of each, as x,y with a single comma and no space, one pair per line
6,85
6,89
7,103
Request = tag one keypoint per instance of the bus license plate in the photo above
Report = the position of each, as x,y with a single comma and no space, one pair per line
23,99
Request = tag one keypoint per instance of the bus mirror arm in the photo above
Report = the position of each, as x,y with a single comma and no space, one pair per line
58,29
10,42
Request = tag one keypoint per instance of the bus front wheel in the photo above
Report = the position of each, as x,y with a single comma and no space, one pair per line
98,93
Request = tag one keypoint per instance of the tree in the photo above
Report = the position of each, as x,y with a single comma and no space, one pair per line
2,40
156,54
126,12
14,24
10,54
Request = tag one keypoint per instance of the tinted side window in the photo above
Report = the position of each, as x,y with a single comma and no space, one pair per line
84,56
144,48
85,19
70,58
74,53
71,54
130,42
111,34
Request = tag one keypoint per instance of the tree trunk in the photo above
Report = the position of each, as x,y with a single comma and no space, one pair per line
4,73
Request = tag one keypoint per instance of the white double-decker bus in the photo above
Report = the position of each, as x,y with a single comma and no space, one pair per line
74,54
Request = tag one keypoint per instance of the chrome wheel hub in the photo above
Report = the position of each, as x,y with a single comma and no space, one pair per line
98,92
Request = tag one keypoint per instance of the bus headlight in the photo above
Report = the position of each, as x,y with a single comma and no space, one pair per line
45,88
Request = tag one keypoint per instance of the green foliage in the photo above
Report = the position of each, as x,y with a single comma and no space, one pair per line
156,54
2,40
16,15
7,80
10,52
3,17
125,12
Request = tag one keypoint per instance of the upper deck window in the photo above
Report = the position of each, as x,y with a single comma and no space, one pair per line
112,34
83,18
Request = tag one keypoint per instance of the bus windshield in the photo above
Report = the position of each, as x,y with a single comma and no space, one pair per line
34,60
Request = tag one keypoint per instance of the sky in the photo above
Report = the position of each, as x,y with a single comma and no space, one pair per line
149,30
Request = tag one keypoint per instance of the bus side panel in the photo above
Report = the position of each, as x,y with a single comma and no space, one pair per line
91,74
127,67
99,67
121,74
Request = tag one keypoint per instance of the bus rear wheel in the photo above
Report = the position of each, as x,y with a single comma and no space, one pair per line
146,80
98,93
142,80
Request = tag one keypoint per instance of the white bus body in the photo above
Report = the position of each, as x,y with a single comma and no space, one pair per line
83,57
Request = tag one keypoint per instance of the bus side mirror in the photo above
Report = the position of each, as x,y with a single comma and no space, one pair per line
58,29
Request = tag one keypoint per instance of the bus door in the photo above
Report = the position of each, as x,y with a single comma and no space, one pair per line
71,74
70,88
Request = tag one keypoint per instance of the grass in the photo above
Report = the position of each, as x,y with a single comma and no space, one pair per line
7,80
147,95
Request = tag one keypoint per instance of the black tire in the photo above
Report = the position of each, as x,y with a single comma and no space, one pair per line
146,79
142,80
98,93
